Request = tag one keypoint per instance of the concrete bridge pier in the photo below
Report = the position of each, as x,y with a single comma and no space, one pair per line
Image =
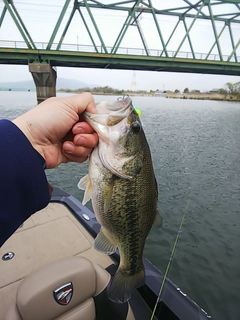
45,80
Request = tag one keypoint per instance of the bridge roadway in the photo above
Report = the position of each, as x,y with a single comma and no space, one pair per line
76,55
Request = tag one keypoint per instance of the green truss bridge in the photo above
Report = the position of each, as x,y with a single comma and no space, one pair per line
175,36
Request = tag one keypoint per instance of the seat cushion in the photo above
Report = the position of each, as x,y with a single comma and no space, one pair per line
56,288
83,311
72,289
12,314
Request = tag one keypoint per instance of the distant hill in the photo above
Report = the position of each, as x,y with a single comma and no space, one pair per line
72,84
62,83
20,85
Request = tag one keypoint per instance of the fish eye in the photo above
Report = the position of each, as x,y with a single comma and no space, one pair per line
136,127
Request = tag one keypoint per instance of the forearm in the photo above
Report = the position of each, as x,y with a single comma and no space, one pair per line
24,187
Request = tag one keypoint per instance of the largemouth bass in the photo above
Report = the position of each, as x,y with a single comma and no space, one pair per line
123,189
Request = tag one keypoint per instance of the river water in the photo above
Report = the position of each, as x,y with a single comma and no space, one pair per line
195,147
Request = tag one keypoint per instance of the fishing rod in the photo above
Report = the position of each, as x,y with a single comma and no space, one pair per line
171,256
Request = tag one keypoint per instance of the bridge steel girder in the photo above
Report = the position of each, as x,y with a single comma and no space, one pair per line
187,15
58,24
3,15
134,8
9,6
109,61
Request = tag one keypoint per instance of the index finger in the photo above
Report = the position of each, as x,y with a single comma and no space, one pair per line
82,127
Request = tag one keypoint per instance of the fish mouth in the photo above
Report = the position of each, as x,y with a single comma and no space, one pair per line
109,113
121,105
118,107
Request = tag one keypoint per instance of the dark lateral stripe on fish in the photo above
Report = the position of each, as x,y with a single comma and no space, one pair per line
133,235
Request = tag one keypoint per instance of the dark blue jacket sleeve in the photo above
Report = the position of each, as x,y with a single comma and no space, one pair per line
23,184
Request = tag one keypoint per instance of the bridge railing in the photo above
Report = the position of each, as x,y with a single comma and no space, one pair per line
121,50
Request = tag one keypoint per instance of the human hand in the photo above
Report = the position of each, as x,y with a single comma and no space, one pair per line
56,131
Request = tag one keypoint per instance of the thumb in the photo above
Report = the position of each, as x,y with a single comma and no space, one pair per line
82,102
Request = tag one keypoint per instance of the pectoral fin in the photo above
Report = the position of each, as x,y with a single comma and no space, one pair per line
85,184
158,221
103,244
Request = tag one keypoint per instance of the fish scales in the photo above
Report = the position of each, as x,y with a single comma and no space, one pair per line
127,210
123,189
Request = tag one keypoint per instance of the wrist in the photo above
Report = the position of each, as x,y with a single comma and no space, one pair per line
25,128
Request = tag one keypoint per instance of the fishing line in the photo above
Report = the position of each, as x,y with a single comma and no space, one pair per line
171,257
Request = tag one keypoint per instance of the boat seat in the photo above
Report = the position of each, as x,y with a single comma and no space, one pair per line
69,289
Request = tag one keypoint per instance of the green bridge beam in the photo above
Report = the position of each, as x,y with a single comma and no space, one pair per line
177,12
64,9
109,61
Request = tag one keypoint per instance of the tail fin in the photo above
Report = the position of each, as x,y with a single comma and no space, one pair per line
123,285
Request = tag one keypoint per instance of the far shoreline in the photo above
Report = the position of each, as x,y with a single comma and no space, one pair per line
202,96
168,95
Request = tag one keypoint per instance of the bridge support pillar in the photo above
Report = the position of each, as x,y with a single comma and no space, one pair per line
45,80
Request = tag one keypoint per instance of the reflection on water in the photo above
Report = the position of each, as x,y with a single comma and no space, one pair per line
195,148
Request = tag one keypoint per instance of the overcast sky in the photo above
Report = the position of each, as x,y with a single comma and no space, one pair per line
36,16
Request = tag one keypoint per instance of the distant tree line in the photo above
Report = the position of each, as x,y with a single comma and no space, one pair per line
104,90
233,89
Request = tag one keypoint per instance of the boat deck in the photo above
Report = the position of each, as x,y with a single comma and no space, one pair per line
49,235
66,228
